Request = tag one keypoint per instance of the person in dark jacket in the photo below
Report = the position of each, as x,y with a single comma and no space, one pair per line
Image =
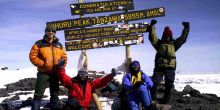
45,55
165,59
80,88
136,85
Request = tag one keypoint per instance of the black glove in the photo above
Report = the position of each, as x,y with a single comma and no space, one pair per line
138,84
61,63
153,22
113,72
186,25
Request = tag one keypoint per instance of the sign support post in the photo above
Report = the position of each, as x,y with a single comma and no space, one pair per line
127,50
85,66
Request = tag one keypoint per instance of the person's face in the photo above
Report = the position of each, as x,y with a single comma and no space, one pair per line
168,38
83,77
50,34
135,68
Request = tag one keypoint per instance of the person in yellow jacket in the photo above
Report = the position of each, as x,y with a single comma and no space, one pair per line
45,55
165,59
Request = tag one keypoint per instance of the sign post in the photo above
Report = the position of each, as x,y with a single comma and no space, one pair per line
127,50
85,66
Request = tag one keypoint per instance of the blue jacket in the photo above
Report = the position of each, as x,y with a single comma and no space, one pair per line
127,85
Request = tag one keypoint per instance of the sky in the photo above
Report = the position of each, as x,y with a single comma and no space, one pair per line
22,23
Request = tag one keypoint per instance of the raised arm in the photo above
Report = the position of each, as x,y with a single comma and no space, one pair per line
152,34
182,39
65,80
101,82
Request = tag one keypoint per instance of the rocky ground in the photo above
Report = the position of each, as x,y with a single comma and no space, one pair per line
188,99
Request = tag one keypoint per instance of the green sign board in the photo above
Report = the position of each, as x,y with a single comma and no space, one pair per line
98,7
113,18
105,42
86,33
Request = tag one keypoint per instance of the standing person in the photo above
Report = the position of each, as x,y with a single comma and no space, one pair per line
136,85
80,88
165,59
45,54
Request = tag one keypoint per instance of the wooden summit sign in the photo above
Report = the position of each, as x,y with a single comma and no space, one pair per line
113,18
87,33
98,7
105,42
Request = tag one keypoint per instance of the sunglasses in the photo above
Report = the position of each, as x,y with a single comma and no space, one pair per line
52,31
84,75
134,66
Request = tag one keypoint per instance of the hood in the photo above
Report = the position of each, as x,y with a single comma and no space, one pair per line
134,63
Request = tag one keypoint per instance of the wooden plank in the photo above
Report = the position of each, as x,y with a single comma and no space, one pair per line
79,34
99,7
113,18
105,42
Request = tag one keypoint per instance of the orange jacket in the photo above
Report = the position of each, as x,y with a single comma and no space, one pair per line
45,55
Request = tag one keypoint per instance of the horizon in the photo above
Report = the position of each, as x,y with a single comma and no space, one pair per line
23,23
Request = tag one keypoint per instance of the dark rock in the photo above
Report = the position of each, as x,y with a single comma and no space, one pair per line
9,107
1,107
192,92
23,93
14,98
5,68
3,93
63,91
26,103
196,100
212,98
60,106
27,84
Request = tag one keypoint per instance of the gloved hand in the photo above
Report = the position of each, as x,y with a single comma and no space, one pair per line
61,63
138,84
153,22
186,25
113,72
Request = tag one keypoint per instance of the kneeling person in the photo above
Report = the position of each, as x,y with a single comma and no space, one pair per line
80,88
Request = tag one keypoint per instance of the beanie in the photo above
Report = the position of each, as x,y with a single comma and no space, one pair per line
167,32
50,28
82,71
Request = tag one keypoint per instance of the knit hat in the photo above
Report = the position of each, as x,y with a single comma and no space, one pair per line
167,32
50,28
82,71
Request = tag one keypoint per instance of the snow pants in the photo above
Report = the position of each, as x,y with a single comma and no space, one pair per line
169,75
42,82
142,95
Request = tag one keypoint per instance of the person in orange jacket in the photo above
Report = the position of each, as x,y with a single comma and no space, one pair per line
80,88
45,54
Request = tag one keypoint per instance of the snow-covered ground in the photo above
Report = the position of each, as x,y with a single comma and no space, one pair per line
205,83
